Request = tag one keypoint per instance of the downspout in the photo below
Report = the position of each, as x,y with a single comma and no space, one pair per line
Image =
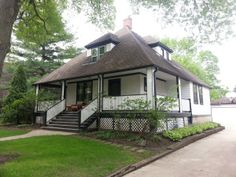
155,90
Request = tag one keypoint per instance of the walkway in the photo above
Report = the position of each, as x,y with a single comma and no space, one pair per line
38,132
214,156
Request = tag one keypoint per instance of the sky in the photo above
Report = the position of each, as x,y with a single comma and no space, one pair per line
147,24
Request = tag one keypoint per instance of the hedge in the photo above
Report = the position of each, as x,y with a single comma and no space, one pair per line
180,133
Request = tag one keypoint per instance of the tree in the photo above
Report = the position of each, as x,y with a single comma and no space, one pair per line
202,63
18,86
210,19
99,12
42,51
206,20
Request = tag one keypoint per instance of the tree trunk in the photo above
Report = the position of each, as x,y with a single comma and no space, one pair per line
8,13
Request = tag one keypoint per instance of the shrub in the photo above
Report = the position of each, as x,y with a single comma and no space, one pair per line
180,133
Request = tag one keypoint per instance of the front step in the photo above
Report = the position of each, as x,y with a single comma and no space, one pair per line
61,129
63,125
68,121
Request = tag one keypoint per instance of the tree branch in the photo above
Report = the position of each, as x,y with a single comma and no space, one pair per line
37,14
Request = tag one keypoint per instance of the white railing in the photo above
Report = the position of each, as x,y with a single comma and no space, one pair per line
176,108
185,104
115,102
55,110
45,105
90,109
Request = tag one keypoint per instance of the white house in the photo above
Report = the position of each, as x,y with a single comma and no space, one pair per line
119,66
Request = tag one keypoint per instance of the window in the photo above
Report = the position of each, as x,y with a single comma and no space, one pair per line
94,53
195,94
114,87
101,51
97,53
200,94
84,91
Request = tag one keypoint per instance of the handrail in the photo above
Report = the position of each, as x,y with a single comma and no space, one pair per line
55,104
124,95
49,116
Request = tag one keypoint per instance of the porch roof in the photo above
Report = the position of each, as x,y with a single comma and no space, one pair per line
130,53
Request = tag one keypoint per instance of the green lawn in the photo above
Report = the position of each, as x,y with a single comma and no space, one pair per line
4,132
64,156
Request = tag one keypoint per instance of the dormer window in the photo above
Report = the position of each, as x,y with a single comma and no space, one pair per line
97,53
94,54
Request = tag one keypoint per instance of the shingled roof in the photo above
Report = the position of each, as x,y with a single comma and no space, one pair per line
131,52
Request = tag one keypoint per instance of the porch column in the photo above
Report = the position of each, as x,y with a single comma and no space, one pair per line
100,93
63,86
179,94
36,101
151,87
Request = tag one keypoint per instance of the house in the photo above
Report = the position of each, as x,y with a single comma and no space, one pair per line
119,66
224,110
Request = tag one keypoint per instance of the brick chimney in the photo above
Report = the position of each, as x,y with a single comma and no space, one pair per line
127,23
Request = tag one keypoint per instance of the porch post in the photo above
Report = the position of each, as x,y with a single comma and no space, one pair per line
151,87
179,94
63,86
36,101
100,92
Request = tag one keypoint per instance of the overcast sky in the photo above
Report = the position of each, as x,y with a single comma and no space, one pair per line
147,24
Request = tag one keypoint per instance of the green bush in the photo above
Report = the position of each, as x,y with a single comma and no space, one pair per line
180,133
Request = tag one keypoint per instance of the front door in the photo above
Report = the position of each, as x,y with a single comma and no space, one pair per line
114,87
84,91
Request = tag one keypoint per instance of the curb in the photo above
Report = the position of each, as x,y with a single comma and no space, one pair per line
170,149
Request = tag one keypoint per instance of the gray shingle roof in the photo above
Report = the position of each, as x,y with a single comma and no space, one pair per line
131,52
105,39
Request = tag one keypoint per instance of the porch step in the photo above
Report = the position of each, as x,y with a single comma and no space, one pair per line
67,118
63,125
61,129
63,122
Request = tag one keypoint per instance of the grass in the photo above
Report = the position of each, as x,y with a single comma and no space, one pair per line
5,132
63,156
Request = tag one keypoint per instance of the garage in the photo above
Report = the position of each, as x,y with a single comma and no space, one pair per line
224,112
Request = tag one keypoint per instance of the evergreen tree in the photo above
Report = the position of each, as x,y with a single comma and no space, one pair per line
18,86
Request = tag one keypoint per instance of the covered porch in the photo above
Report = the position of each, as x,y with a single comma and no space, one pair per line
108,91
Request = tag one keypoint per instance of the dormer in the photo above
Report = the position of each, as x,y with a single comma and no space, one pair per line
97,48
159,47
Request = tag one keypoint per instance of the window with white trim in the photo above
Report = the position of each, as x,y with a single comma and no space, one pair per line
200,94
195,94
97,53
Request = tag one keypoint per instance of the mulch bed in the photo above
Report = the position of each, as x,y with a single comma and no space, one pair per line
157,146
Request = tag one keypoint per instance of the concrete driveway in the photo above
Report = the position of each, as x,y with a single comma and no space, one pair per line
214,156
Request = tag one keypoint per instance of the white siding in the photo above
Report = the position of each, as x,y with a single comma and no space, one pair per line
161,88
129,85
198,109
185,89
171,88
71,94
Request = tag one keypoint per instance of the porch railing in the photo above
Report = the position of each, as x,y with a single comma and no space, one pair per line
45,105
89,110
115,102
55,110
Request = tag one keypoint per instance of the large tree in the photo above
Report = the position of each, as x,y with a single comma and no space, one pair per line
202,63
210,19
41,50
99,12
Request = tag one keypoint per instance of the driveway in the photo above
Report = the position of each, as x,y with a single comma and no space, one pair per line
214,156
